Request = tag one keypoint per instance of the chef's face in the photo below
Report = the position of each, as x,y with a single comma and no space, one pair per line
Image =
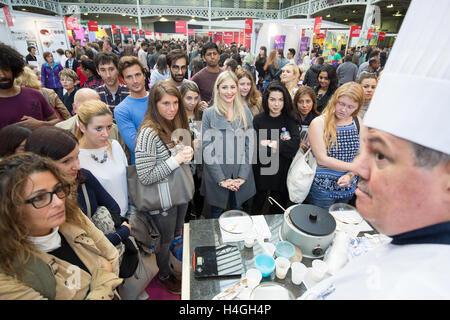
394,194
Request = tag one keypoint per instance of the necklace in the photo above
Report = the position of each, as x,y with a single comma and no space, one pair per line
105,157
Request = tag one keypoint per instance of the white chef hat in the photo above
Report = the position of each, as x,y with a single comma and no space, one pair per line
412,99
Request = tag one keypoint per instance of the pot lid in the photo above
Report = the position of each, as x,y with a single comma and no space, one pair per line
312,220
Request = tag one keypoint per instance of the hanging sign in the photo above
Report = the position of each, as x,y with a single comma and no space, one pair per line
355,31
93,26
317,25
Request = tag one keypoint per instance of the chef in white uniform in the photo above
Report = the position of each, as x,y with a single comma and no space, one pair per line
404,170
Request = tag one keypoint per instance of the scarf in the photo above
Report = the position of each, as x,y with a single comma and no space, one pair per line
47,243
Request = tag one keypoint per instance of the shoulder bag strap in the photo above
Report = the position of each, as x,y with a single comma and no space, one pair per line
86,198
357,123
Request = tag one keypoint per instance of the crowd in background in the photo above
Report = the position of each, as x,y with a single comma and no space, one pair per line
98,109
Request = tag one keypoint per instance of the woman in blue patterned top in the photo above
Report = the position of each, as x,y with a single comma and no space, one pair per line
335,141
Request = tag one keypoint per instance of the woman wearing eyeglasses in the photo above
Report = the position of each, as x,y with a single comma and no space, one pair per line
50,249
335,140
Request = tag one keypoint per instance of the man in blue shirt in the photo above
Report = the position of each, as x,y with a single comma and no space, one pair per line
130,112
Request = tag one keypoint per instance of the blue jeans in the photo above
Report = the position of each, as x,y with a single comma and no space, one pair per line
321,199
217,211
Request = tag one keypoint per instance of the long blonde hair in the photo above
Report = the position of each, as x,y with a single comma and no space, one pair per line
89,110
352,90
238,103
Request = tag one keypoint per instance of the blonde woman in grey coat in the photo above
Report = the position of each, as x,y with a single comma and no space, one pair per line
227,142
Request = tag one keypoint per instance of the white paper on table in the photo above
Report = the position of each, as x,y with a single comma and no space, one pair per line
260,227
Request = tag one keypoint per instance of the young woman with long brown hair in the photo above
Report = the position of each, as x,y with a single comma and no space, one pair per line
249,92
156,158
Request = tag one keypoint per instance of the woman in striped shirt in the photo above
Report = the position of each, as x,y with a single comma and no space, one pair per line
156,158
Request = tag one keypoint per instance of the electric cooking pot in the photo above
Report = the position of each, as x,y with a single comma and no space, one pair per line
309,227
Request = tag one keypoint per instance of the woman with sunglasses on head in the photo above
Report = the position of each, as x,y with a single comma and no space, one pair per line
50,249
99,154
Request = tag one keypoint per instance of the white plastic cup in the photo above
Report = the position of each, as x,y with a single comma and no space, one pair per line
319,268
298,272
254,277
249,240
281,267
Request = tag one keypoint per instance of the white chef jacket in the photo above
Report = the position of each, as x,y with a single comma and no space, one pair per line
413,271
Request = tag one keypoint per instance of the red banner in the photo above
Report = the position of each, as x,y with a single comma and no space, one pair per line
141,32
113,28
355,31
210,33
370,34
8,16
160,34
124,30
303,32
191,32
382,36
248,26
71,23
180,26
317,25
148,33
134,31
93,26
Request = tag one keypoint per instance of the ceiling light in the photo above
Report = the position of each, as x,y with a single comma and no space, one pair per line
163,19
85,14
23,9
354,11
390,6
131,17
398,14
345,20
328,15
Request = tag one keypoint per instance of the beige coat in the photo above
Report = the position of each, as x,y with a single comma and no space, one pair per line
73,283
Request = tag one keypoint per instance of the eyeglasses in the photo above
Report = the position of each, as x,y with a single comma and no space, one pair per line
44,199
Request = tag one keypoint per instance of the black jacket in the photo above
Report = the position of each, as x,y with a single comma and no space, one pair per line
311,76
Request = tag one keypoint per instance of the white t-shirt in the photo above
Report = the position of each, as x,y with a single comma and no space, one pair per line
112,173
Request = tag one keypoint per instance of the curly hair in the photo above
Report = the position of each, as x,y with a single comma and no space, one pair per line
15,248
11,59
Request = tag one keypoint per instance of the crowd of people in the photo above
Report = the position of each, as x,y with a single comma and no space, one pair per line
73,126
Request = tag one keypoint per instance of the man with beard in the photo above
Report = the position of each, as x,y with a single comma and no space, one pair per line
21,105
112,92
404,174
206,77
130,112
177,62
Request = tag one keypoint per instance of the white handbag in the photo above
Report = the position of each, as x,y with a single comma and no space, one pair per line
301,175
